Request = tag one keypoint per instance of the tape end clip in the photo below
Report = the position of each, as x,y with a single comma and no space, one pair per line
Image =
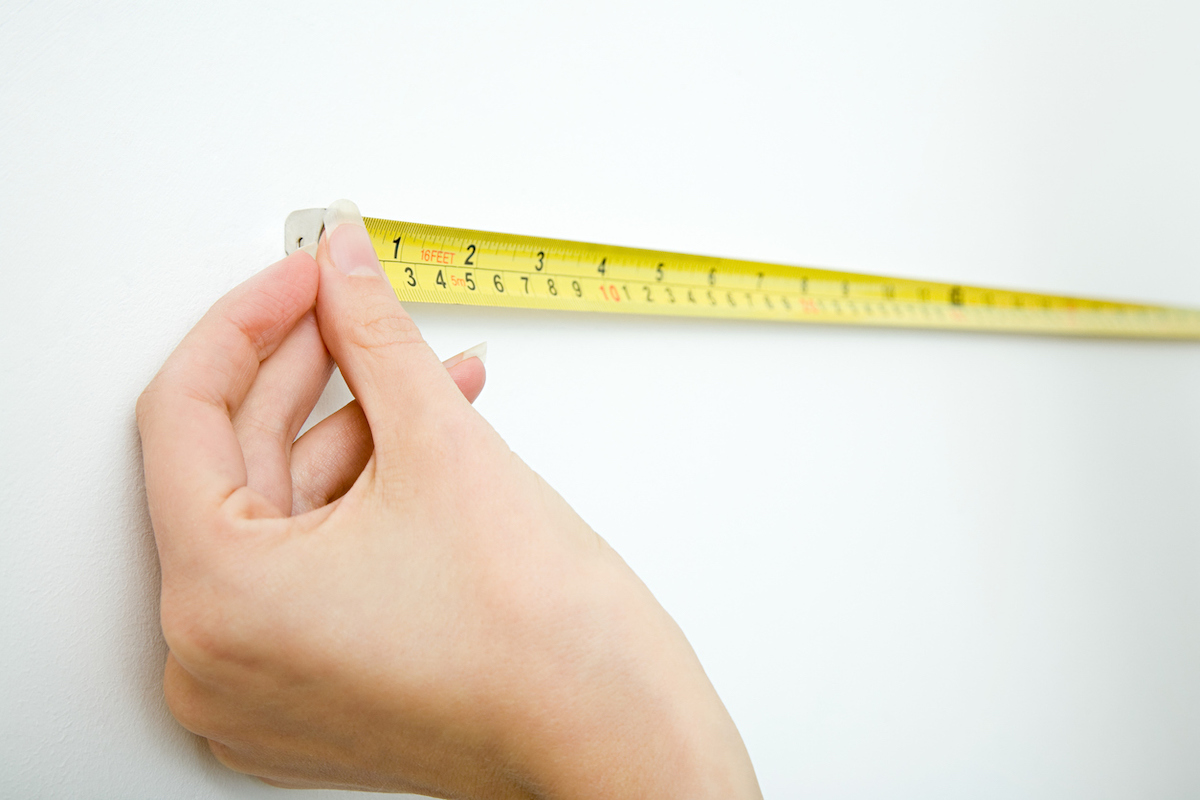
302,228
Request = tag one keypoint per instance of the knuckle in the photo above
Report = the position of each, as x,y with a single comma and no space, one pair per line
194,638
232,758
186,701
381,326
205,635
205,599
265,423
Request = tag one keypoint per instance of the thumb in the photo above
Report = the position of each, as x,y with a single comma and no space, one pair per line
394,374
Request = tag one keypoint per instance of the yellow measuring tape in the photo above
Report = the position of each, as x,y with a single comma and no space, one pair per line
433,264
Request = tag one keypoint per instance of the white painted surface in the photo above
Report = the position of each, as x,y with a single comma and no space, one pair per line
915,564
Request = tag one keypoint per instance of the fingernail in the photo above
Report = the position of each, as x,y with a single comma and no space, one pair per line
350,247
311,249
478,351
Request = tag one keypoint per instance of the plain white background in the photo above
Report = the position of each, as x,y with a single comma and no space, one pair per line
915,565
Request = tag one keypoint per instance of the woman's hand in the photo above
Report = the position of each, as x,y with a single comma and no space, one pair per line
394,601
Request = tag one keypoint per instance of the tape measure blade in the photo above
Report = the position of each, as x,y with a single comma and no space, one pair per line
436,264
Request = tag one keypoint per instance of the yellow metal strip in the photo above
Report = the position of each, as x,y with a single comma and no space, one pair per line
432,264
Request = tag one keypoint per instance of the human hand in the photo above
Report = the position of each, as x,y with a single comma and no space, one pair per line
396,602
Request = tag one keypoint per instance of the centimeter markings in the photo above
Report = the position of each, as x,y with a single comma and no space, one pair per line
432,264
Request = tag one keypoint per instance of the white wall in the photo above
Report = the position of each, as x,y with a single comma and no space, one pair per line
915,564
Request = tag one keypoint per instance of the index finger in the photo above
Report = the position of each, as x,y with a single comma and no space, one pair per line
191,456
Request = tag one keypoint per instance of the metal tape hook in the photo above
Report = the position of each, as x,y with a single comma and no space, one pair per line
302,228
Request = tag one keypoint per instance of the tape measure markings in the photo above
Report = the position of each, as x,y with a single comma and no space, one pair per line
434,264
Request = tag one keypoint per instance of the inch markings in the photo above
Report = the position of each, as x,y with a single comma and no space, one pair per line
435,264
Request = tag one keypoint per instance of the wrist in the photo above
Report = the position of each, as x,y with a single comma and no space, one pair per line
629,711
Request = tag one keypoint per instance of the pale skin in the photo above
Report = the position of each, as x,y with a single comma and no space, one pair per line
395,601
